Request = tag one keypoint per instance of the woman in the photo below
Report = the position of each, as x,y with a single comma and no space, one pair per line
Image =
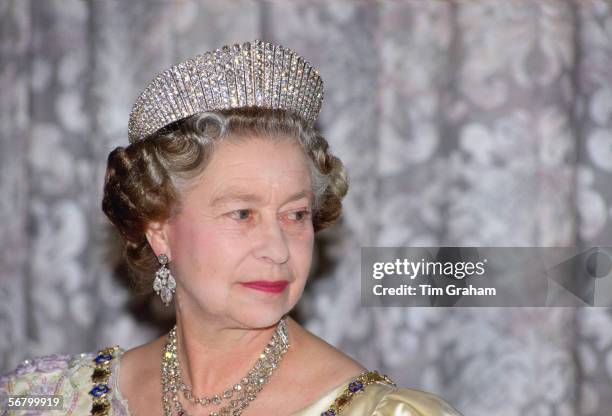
218,198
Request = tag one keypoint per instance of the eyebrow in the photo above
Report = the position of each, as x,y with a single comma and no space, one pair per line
239,195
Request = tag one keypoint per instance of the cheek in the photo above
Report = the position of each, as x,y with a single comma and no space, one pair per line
302,251
197,249
302,248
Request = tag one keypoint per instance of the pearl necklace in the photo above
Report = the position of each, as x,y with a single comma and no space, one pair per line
245,391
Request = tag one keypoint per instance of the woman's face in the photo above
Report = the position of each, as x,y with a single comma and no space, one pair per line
246,219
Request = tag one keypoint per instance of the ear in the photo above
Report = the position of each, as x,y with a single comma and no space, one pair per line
157,236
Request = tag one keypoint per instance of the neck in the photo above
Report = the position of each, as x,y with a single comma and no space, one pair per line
214,354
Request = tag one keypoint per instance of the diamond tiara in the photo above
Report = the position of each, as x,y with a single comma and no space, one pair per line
255,73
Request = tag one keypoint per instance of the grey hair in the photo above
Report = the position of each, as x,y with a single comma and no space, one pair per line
211,128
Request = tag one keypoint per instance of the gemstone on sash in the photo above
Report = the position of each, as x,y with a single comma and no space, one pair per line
101,358
99,390
355,386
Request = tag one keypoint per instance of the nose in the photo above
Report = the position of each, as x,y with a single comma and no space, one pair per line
272,243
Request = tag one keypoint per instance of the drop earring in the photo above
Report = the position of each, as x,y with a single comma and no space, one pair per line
164,283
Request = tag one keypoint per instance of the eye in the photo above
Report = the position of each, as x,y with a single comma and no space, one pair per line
240,214
300,216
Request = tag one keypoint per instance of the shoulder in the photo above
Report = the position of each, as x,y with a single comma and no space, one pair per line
70,376
413,402
319,357
40,374
376,394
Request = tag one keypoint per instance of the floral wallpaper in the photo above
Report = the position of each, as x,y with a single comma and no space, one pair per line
460,123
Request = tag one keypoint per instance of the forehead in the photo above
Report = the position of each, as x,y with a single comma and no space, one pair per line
255,166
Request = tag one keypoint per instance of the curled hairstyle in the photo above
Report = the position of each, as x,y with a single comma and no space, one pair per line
145,180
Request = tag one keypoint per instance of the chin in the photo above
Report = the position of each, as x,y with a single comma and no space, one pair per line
261,317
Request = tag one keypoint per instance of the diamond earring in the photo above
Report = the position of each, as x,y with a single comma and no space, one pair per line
164,283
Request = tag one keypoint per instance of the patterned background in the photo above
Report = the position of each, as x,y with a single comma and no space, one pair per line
461,123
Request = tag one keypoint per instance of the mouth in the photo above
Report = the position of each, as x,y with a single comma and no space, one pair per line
267,286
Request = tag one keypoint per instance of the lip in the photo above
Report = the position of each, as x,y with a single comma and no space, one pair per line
267,286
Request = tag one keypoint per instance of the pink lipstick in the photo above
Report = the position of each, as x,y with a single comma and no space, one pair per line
267,286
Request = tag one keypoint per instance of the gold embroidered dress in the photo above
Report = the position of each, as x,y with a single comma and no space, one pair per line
89,386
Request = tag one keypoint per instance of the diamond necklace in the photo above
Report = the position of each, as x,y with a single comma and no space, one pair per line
240,395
